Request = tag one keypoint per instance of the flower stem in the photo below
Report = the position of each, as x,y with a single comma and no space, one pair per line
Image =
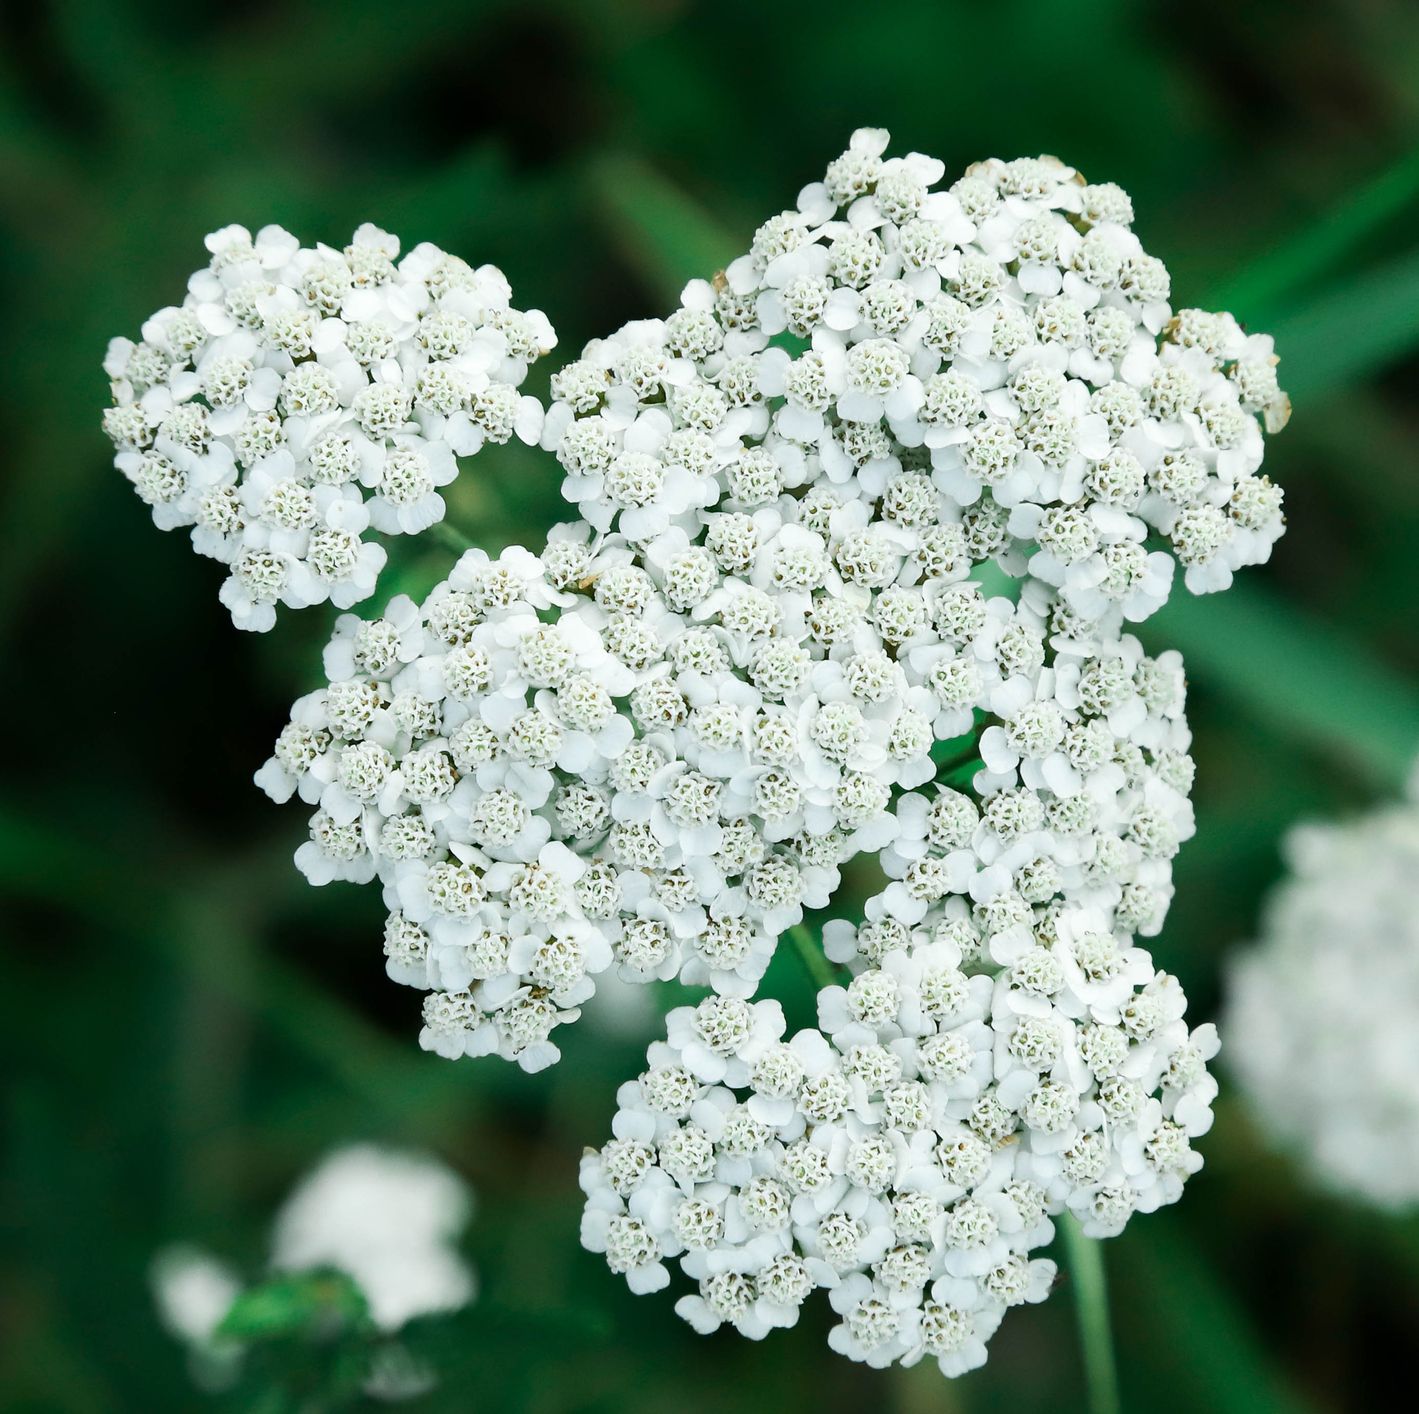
1091,1300
810,953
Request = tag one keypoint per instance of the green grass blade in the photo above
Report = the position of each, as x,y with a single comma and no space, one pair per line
1355,328
1303,678
1200,1346
1322,243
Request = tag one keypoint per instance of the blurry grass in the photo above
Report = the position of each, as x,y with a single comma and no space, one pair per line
1315,684
1199,1342
660,230
1352,329
1327,241
210,928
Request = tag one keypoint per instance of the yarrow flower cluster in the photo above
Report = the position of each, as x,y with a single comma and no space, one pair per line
656,744
905,1156
389,1220
861,528
1322,1012
300,397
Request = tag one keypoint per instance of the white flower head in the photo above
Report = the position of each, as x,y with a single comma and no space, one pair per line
861,527
906,1158
300,397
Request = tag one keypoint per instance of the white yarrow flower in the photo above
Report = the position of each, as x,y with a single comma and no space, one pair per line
298,398
388,1220
767,647
1323,1011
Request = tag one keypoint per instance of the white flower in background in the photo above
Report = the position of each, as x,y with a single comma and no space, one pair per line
193,1291
300,397
390,1221
1322,1016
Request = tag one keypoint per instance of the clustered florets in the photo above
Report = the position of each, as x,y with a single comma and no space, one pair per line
1323,1013
907,1155
778,637
298,398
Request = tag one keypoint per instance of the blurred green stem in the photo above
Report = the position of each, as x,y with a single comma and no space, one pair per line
1091,1300
810,953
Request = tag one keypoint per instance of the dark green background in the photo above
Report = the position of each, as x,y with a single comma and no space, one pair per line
186,1026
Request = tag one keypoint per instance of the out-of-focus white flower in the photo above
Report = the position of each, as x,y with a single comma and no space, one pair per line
193,1291
388,1220
299,397
1322,1017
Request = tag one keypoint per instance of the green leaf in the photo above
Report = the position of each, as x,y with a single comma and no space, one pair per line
305,1303
1197,1341
1304,678
1354,328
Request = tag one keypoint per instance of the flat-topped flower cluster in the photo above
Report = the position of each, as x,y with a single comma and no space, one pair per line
905,1156
861,527
300,397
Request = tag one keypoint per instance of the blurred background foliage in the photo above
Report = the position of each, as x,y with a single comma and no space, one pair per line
187,1026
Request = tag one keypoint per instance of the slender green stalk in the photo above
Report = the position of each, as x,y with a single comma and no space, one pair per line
810,953
1091,1301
